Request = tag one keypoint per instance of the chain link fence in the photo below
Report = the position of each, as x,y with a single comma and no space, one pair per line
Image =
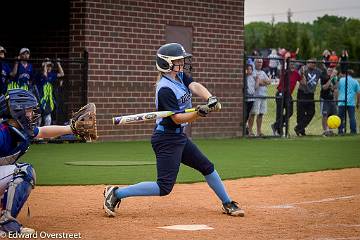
276,113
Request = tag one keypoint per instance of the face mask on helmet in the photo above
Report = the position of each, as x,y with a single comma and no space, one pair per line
24,109
169,53
4,111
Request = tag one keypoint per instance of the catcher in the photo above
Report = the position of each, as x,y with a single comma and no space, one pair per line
19,115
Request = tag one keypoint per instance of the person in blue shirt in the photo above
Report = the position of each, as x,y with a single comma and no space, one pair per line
19,114
174,90
22,72
5,71
353,91
45,84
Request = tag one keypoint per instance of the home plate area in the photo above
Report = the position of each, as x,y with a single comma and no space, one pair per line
192,227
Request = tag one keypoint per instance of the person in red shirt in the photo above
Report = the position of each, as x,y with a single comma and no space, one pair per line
284,102
333,59
293,55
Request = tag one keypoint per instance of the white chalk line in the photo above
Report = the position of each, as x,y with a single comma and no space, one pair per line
293,205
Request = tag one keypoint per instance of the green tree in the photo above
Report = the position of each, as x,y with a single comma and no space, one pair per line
254,35
306,46
291,36
327,32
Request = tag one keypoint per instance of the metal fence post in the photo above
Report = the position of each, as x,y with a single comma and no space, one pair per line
244,96
287,97
346,91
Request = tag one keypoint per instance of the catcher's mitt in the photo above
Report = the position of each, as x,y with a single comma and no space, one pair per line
83,122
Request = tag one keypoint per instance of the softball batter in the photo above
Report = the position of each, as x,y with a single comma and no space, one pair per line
171,145
19,115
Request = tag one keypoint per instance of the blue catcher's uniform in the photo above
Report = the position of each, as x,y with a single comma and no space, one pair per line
170,143
16,179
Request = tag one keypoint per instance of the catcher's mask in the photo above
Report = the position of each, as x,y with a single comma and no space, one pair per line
23,107
170,52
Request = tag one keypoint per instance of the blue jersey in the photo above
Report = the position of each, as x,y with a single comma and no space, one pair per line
50,78
173,95
45,87
13,142
7,142
5,73
23,77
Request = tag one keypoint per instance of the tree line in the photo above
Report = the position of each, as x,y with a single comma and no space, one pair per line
327,32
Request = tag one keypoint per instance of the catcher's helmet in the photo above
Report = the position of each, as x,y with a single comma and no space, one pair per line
168,53
23,107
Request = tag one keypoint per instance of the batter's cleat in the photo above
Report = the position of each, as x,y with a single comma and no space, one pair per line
232,209
110,201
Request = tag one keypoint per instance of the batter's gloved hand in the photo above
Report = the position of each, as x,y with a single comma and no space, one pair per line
202,110
214,104
83,122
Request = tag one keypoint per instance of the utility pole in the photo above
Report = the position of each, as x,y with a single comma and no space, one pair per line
289,15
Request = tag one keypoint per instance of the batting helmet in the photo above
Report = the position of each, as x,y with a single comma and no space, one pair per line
168,53
23,107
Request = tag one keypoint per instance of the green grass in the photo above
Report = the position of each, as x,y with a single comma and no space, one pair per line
233,158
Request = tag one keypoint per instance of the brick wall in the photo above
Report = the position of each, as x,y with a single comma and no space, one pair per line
122,38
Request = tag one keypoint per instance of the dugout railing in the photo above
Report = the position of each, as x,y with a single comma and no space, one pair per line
315,127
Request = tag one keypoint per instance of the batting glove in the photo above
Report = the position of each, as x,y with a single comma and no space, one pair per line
202,110
214,104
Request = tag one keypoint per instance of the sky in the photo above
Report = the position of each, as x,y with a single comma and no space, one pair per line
302,10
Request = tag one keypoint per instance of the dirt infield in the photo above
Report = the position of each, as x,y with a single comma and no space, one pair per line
321,205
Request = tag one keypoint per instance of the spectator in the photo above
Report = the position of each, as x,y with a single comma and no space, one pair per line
293,55
305,96
260,104
325,58
327,104
285,54
251,59
5,72
353,90
284,101
22,72
334,59
343,61
45,87
273,64
252,83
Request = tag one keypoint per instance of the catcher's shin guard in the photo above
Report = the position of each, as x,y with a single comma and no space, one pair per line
15,196
110,201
